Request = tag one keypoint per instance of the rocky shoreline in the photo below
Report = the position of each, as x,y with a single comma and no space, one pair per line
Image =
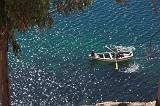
111,103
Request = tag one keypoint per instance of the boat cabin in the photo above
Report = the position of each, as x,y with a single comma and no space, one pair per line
116,54
111,56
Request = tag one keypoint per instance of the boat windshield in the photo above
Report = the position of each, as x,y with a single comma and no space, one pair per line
124,52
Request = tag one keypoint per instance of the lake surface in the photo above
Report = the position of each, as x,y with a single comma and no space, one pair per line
55,69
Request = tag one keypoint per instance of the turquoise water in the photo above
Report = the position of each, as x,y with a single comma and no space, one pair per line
55,69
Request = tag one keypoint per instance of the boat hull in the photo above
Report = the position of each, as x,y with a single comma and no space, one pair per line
111,57
110,60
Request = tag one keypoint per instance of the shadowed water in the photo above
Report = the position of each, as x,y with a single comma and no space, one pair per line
55,69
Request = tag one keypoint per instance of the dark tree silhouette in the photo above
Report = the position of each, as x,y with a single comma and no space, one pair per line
21,15
154,6
120,1
158,96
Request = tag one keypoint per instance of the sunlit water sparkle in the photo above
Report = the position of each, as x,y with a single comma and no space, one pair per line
54,68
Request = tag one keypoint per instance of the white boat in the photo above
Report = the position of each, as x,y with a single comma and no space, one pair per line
116,54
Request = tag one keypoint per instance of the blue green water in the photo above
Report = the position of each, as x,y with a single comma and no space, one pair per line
55,69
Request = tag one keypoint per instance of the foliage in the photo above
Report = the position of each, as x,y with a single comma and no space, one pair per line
23,14
68,6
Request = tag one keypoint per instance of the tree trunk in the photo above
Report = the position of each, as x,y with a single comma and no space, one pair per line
4,79
158,96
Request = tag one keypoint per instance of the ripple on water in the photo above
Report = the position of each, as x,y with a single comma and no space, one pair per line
55,68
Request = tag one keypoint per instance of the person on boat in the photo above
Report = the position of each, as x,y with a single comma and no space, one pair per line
117,55
92,54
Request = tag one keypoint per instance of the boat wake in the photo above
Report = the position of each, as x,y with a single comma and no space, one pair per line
147,58
124,48
132,68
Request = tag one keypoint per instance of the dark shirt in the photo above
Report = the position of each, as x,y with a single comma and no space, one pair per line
92,54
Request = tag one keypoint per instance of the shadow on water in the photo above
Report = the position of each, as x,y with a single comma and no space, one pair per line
110,65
